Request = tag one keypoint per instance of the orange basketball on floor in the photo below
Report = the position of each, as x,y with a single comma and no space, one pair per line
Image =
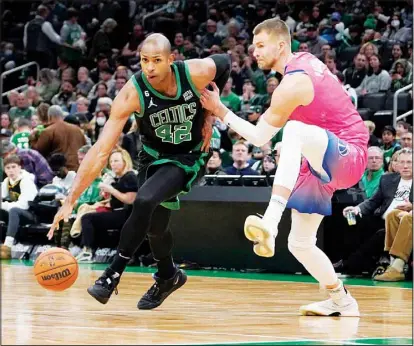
56,269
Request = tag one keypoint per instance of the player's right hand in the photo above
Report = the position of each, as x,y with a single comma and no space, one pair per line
353,210
63,214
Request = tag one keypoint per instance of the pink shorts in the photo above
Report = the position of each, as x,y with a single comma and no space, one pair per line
343,162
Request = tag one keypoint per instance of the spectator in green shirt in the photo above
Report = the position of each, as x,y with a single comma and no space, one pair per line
229,98
70,34
21,137
371,178
22,109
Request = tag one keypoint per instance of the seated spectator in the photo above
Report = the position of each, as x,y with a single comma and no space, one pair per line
6,122
406,139
373,140
101,91
22,109
48,86
66,96
102,63
399,221
393,166
268,166
60,137
81,110
229,98
394,189
213,165
355,74
21,136
32,162
303,47
402,127
315,42
349,90
375,169
33,96
42,114
12,96
271,85
396,54
240,157
330,62
401,74
99,120
101,43
390,145
64,178
85,84
17,190
122,194
136,37
377,79
369,49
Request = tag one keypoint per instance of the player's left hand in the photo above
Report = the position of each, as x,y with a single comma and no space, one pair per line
210,100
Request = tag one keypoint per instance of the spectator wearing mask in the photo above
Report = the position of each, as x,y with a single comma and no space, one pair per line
60,137
48,85
22,110
64,178
122,193
17,190
375,169
85,84
373,140
393,26
229,98
66,96
32,162
100,120
401,74
21,138
406,140
40,39
390,144
240,153
354,75
377,79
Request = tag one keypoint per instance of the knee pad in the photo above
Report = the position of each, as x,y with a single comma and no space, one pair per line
300,247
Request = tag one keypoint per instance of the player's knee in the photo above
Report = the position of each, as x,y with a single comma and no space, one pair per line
144,202
300,246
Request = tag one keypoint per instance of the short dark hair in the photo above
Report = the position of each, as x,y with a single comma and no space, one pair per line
404,124
12,159
218,152
389,128
72,12
57,161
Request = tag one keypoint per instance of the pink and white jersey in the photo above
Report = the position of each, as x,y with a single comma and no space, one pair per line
331,108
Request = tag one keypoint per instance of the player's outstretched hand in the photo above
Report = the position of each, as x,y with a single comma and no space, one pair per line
210,100
63,214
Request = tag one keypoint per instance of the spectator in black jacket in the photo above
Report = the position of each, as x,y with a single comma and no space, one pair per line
356,73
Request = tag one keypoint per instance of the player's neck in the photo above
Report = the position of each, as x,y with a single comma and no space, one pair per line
282,62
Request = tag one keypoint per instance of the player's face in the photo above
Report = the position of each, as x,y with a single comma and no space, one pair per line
267,50
155,64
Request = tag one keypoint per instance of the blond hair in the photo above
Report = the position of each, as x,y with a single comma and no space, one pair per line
370,125
125,157
365,45
274,27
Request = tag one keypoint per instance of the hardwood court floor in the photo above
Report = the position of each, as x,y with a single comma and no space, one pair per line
244,309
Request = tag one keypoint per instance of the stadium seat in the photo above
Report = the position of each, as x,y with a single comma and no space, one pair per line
381,119
347,55
365,113
374,101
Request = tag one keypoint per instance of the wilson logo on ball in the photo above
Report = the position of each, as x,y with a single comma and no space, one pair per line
57,276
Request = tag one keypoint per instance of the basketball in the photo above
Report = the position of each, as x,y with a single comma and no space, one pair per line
56,269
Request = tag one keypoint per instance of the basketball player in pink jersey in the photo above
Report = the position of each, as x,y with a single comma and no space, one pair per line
323,126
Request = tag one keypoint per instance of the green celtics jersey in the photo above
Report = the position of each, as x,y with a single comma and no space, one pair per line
170,125
21,140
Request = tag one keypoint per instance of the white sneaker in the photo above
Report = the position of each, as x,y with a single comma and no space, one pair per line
330,308
263,239
84,257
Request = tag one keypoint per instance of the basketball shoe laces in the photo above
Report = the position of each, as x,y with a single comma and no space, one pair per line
108,282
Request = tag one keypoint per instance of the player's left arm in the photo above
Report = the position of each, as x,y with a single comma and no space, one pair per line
215,68
295,90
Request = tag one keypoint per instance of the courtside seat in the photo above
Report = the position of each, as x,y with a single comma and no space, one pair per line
374,101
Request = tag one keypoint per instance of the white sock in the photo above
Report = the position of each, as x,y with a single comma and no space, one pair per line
9,241
398,264
339,294
274,212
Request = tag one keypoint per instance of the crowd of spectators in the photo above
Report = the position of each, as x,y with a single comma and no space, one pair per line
87,51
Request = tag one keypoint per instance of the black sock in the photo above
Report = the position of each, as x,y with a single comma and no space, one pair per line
119,264
166,268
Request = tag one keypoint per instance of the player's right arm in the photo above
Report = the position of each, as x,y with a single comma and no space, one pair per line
295,90
125,103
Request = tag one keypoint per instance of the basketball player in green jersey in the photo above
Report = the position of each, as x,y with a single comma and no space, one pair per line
165,99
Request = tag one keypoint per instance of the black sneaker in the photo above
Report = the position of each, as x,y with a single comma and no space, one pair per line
161,289
104,286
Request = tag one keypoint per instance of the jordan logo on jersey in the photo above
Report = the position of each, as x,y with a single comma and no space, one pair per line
152,104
